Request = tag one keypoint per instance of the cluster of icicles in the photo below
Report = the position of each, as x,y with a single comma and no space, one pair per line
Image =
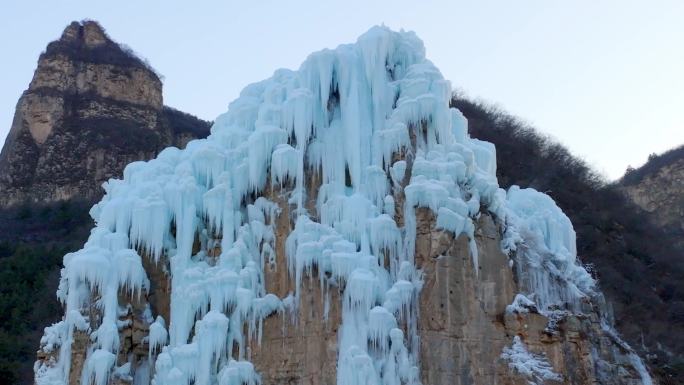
345,114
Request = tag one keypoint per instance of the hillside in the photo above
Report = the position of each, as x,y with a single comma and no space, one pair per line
638,265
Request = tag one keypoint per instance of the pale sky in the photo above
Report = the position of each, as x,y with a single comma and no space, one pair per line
605,78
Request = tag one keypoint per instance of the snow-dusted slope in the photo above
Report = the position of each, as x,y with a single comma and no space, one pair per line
369,119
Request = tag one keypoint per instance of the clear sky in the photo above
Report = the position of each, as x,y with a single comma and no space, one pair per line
606,78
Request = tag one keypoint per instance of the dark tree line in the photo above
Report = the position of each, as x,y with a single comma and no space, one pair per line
33,240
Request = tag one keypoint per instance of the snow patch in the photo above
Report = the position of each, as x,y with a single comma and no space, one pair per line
534,367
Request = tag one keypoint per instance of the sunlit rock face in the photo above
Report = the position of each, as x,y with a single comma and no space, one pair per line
339,226
659,191
91,108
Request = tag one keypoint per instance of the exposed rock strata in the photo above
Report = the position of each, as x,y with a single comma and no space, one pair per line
91,108
661,193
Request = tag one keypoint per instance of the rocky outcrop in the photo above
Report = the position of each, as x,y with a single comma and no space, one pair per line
659,191
91,108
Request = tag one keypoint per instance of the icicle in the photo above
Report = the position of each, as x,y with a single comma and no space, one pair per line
158,335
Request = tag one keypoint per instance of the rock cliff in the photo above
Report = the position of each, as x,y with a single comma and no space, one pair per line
658,188
91,108
338,226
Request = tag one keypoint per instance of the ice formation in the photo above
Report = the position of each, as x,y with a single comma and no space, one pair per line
547,253
534,367
372,120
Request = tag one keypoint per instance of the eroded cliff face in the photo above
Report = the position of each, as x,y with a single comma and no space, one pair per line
661,193
91,108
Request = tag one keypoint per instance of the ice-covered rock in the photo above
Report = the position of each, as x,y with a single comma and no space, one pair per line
341,158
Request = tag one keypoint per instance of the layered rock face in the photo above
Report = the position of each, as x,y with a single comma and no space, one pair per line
661,192
91,108
471,321
339,226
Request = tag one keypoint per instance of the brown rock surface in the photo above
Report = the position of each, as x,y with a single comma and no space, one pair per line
91,108
464,325
661,192
460,325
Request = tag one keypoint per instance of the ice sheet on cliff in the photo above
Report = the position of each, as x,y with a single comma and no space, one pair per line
345,114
